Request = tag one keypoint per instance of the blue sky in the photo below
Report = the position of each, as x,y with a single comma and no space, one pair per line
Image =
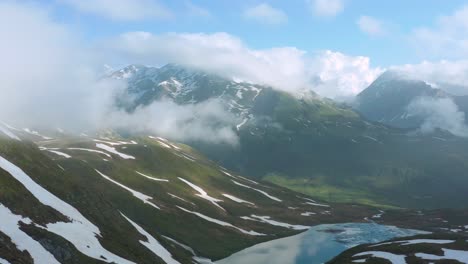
303,29
335,47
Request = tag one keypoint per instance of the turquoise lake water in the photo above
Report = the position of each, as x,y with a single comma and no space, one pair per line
317,245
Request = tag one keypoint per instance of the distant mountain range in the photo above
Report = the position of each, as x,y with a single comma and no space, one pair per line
317,146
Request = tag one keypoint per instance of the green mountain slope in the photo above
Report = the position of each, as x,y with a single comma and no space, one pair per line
325,149
138,200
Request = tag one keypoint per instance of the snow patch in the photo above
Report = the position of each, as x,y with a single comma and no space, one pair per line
268,220
416,241
143,197
113,151
393,258
450,254
35,133
237,200
152,178
9,225
222,223
92,150
308,213
317,204
260,191
203,194
80,231
153,244
8,133
179,198
65,155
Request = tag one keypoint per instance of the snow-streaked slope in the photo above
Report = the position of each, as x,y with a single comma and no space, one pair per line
260,191
9,225
153,244
35,133
113,151
8,133
236,199
203,194
151,178
115,143
80,231
268,220
317,204
65,155
92,150
143,197
222,223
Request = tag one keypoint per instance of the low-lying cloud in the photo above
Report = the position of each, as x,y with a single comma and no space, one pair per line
331,74
50,80
207,121
439,113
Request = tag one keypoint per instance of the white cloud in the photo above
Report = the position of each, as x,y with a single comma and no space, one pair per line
448,39
330,73
197,11
46,76
266,14
124,10
50,80
451,76
208,121
371,26
342,76
439,113
326,8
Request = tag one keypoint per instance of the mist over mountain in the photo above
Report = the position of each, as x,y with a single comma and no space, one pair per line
398,99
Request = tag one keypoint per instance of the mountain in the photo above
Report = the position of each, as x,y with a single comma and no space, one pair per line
184,85
314,145
387,99
103,198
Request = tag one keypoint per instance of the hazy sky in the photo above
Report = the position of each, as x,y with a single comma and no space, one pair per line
386,31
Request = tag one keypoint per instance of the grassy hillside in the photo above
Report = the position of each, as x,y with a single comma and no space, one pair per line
329,152
72,169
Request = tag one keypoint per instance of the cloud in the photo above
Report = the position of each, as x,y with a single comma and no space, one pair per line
451,76
265,14
447,39
50,80
121,10
46,76
342,76
326,8
439,113
197,11
330,73
371,26
207,121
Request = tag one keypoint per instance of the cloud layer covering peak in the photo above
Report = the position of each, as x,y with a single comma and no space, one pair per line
332,74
